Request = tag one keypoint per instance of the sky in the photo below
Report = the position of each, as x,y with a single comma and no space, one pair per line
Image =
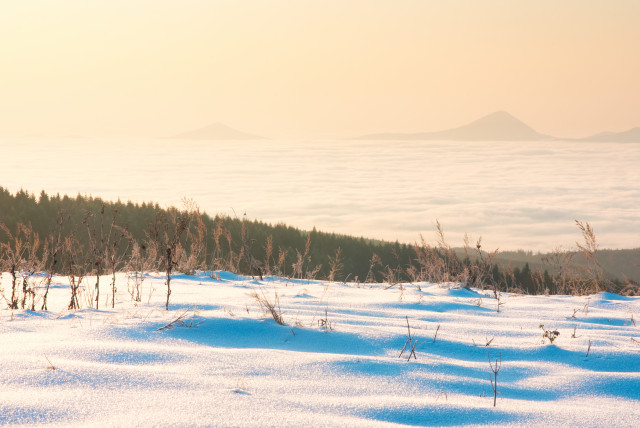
316,69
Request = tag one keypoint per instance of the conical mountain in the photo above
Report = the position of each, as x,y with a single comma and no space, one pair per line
498,126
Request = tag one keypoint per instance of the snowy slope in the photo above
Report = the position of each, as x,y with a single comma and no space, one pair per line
235,366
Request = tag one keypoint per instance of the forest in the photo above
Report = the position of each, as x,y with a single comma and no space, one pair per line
85,236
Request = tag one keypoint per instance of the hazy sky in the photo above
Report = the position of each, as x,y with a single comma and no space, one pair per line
297,68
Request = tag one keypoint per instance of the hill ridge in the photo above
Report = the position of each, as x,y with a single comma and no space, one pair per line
497,126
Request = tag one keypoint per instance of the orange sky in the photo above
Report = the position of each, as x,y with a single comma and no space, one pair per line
331,68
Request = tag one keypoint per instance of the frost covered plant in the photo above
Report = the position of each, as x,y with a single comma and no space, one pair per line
593,271
12,253
549,334
272,308
141,260
411,342
166,232
335,265
499,303
181,320
75,267
493,377
324,323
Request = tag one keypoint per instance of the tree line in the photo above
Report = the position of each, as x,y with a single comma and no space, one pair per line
89,240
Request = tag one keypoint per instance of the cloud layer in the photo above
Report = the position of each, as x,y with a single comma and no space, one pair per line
514,195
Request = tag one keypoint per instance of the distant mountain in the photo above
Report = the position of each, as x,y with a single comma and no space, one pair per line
216,131
498,126
630,136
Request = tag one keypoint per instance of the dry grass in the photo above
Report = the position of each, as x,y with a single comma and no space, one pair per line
181,321
269,307
411,342
50,366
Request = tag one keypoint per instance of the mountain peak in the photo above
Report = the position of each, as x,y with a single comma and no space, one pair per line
500,126
497,126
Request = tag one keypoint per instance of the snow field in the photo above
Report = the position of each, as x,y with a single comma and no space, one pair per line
235,366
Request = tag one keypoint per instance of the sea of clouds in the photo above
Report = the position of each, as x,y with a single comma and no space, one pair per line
513,194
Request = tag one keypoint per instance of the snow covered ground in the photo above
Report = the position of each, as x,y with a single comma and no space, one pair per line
334,363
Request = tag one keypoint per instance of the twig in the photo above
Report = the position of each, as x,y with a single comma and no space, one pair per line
495,368
446,397
411,342
179,321
436,335
51,366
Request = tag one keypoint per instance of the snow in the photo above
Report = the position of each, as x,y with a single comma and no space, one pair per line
334,363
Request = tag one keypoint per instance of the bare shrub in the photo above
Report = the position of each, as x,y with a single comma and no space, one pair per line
217,261
247,252
549,334
165,232
229,264
268,251
197,237
413,273
53,245
172,247
559,262
391,277
115,256
30,264
493,377
75,267
13,253
432,266
484,269
105,250
96,249
373,262
142,260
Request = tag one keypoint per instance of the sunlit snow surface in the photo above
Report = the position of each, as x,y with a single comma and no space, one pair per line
236,367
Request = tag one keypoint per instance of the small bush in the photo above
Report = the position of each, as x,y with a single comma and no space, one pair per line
549,334
272,308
